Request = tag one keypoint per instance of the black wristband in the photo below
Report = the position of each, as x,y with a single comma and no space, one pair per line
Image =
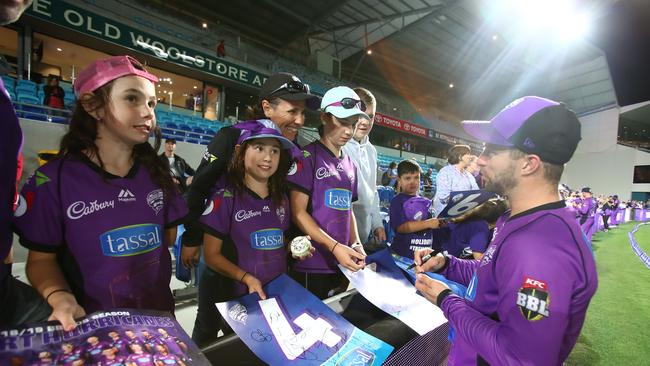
442,295
242,277
55,291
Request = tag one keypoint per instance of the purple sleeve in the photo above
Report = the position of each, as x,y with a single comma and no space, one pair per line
39,218
302,177
514,339
216,218
479,236
175,210
585,207
397,216
460,270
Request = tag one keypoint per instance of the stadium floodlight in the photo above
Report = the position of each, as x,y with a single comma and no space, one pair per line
562,18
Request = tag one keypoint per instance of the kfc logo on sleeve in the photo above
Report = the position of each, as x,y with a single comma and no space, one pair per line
533,299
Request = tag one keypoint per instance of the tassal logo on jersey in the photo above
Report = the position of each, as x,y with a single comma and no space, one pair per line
130,240
338,199
533,299
267,239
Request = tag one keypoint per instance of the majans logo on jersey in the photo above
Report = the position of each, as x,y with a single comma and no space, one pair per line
533,299
267,239
338,199
130,240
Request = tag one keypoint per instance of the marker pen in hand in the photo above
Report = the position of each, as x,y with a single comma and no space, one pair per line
425,258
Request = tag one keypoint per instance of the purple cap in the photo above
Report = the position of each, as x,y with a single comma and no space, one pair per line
259,129
102,72
416,208
534,125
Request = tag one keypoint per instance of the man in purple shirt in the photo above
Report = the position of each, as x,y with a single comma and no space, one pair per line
527,298
94,349
587,211
19,302
174,344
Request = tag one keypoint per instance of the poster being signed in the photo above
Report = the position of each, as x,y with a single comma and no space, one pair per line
294,327
386,287
119,337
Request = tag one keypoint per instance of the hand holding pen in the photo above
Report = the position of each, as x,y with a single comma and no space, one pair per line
429,260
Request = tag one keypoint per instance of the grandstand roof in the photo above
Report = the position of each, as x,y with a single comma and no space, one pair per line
419,47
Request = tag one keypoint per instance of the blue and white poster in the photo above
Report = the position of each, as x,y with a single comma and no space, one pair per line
462,201
294,327
385,286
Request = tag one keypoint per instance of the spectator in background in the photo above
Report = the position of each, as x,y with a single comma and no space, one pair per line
181,171
221,49
364,155
390,174
453,177
54,94
427,181
473,169
189,102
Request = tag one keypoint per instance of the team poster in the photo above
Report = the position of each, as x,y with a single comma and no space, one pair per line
294,327
386,287
120,337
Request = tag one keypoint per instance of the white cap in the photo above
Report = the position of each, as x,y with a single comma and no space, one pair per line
337,94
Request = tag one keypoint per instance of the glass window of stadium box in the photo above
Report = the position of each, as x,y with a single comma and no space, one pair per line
8,51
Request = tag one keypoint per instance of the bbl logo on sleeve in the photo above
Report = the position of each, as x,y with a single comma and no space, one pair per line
533,299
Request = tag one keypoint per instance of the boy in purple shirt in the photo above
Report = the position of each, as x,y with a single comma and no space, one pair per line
323,186
409,214
528,296
105,211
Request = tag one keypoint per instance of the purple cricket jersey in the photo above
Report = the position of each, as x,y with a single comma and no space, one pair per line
141,359
68,359
167,359
94,353
587,212
472,234
406,244
254,227
108,230
527,298
11,140
121,345
151,342
331,184
173,344
115,361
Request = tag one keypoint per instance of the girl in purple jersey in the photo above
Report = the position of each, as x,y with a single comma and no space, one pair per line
244,225
323,188
104,212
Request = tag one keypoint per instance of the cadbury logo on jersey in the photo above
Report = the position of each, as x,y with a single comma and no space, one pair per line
267,239
130,240
533,299
338,199
80,209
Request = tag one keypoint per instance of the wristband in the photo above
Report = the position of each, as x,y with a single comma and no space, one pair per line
356,245
332,250
55,291
242,277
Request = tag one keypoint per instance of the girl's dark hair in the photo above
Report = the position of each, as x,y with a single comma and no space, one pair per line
82,133
457,152
257,112
277,182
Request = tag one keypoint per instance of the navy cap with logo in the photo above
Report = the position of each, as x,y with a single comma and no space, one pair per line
288,87
586,190
533,125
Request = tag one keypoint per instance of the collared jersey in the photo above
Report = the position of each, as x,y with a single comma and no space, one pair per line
107,231
406,244
527,298
331,184
252,229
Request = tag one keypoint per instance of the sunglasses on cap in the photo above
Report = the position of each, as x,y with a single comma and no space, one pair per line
349,103
293,86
